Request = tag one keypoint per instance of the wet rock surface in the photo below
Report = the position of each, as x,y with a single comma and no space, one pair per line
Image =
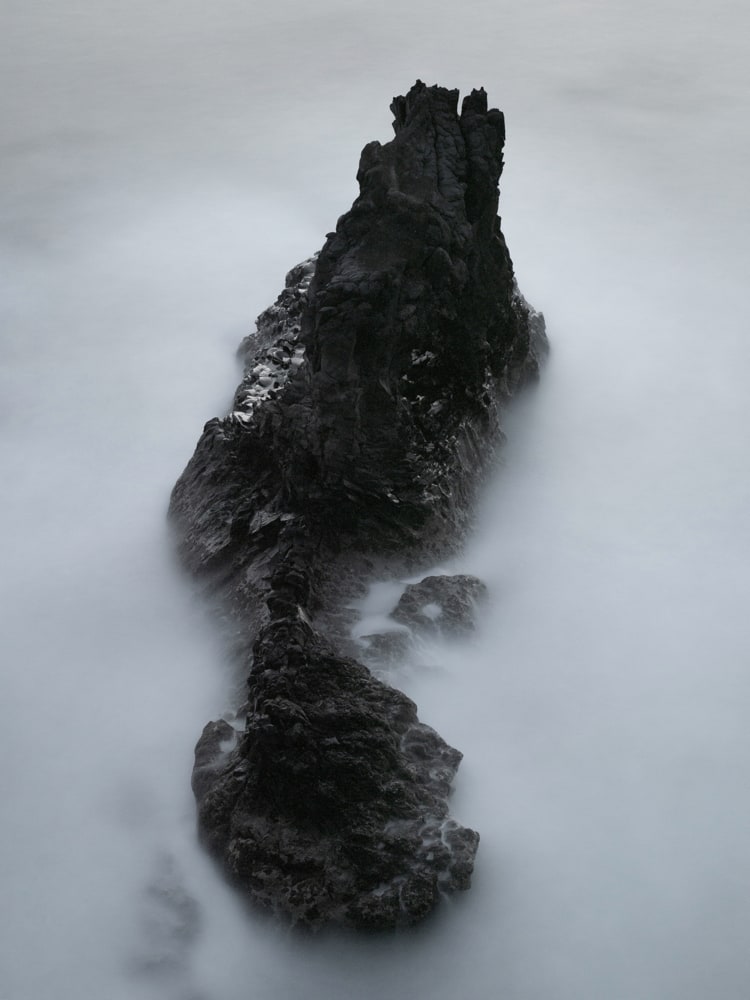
364,422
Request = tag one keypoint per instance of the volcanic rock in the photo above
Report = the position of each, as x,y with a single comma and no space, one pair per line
366,418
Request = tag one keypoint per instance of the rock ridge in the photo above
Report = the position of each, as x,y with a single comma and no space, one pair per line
366,417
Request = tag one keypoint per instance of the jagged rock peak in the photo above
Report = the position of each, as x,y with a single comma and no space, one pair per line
463,155
414,324
437,155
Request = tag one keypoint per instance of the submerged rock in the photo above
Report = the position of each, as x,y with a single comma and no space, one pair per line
441,605
365,420
170,921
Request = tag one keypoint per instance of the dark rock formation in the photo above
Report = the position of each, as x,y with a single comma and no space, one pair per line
438,606
443,605
365,419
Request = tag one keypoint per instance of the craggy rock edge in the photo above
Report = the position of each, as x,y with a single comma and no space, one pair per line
365,420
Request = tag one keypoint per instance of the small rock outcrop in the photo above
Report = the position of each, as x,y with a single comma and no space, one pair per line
441,605
362,427
444,607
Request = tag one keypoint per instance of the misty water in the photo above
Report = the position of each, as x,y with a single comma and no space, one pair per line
162,166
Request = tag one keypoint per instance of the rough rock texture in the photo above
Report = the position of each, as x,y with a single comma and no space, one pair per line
365,419
444,605
438,606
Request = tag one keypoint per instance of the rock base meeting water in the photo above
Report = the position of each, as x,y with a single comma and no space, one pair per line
367,418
